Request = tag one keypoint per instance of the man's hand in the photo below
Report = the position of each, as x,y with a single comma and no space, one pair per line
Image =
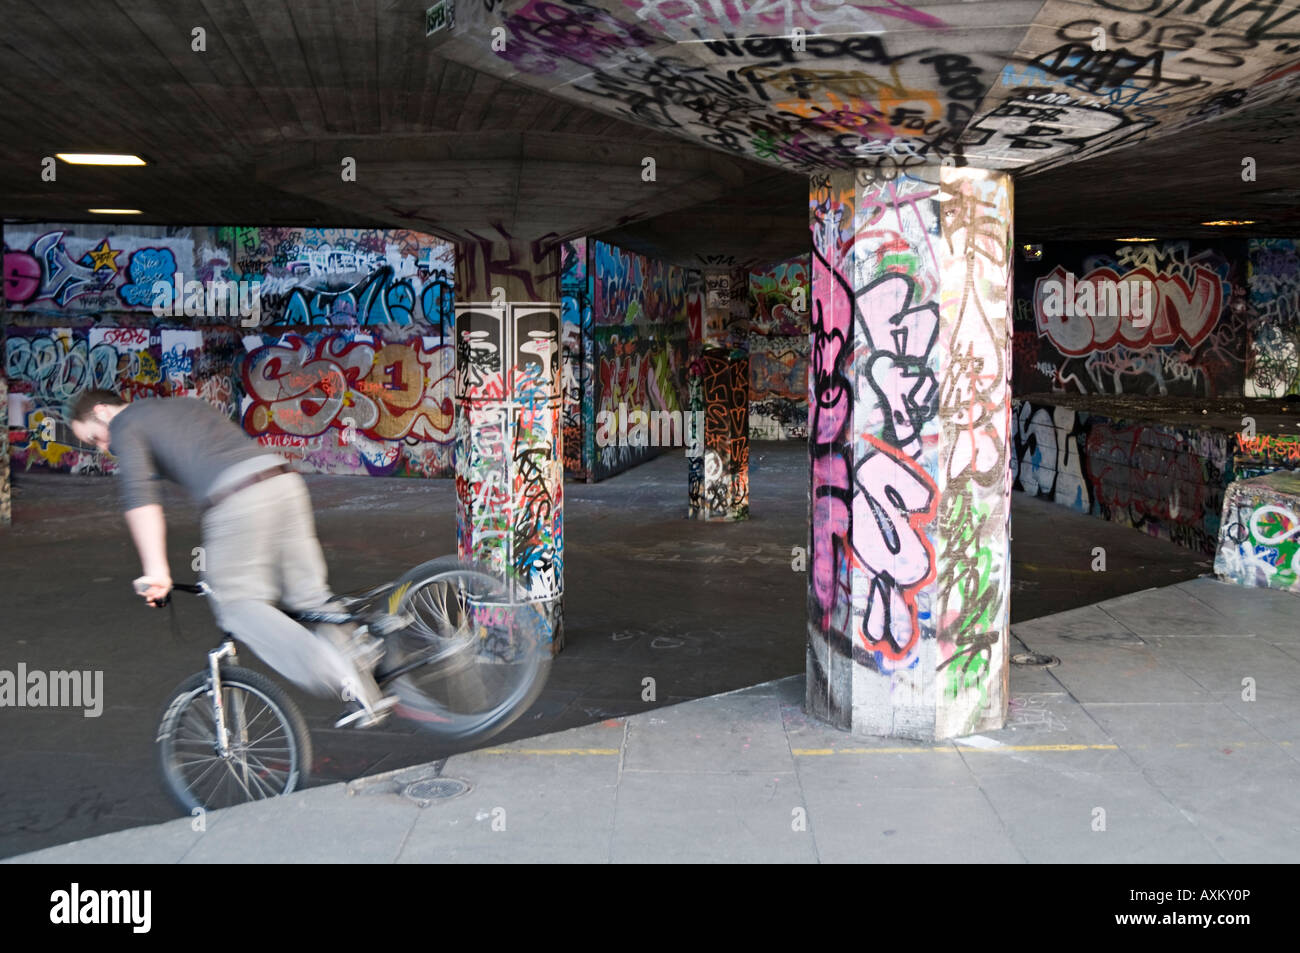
154,589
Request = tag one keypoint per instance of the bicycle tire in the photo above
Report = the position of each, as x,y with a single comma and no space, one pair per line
192,697
419,690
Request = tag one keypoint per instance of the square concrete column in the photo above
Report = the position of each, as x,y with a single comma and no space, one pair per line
509,435
909,410
718,472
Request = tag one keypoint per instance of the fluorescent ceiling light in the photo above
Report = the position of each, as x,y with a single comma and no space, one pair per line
95,158
1135,239
114,211
1231,221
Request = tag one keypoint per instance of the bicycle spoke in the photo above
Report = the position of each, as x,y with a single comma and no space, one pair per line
259,782
261,768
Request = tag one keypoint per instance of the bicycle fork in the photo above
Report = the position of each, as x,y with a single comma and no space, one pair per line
215,657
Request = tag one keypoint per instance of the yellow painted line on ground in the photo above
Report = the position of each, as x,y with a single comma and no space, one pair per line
562,751
950,749
1007,749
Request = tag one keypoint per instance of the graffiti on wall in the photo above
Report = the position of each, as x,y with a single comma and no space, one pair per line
974,416
305,276
1194,343
51,366
577,357
634,289
1167,481
85,268
1046,458
341,402
721,388
329,401
778,385
361,277
1092,80
832,206
1259,544
779,298
636,370
1274,364
642,310
509,467
100,282
778,348
908,428
6,513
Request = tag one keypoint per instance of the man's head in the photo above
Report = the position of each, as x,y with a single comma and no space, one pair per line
92,412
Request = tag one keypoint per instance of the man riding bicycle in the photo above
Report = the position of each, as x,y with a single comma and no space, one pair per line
260,549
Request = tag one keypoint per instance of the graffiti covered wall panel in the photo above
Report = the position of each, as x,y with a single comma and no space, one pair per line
1193,341
1166,481
641,315
778,351
364,385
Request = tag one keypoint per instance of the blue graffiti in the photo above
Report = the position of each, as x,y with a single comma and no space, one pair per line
148,265
379,298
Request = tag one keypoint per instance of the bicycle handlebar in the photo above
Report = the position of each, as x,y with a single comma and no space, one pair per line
200,589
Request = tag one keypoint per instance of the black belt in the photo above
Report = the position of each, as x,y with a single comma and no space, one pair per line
246,483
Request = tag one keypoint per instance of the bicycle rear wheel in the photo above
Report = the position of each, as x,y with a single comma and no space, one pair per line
270,747
475,654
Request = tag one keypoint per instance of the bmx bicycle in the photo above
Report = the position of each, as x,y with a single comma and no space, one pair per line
462,650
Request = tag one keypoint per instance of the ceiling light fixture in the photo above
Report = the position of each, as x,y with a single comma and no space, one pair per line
95,158
114,211
1136,239
1230,221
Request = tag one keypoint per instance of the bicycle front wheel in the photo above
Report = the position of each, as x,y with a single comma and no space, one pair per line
268,750
475,654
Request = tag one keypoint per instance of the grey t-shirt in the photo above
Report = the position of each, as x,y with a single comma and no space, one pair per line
181,439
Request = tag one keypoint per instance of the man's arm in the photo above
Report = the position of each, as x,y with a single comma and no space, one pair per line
144,513
149,532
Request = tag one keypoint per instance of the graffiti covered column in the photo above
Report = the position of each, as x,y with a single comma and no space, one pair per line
909,409
719,387
509,461
6,515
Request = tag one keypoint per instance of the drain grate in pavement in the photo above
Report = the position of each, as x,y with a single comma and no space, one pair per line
1034,660
428,790
397,782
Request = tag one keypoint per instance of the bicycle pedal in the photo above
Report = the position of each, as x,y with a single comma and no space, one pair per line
363,717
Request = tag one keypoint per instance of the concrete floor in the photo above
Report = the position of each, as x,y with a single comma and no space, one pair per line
701,608
1140,747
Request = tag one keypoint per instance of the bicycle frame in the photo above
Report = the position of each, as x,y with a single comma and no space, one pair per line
365,608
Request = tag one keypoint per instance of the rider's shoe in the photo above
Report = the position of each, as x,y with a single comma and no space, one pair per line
368,706
358,716
365,650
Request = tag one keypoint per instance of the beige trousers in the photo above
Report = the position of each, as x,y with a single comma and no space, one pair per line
260,552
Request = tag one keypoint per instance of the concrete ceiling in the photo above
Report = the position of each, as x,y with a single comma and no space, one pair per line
547,134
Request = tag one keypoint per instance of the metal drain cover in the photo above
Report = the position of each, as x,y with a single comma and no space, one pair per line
1034,660
427,790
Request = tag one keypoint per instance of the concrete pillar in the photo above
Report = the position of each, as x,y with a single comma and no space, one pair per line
509,459
718,474
6,516
909,410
